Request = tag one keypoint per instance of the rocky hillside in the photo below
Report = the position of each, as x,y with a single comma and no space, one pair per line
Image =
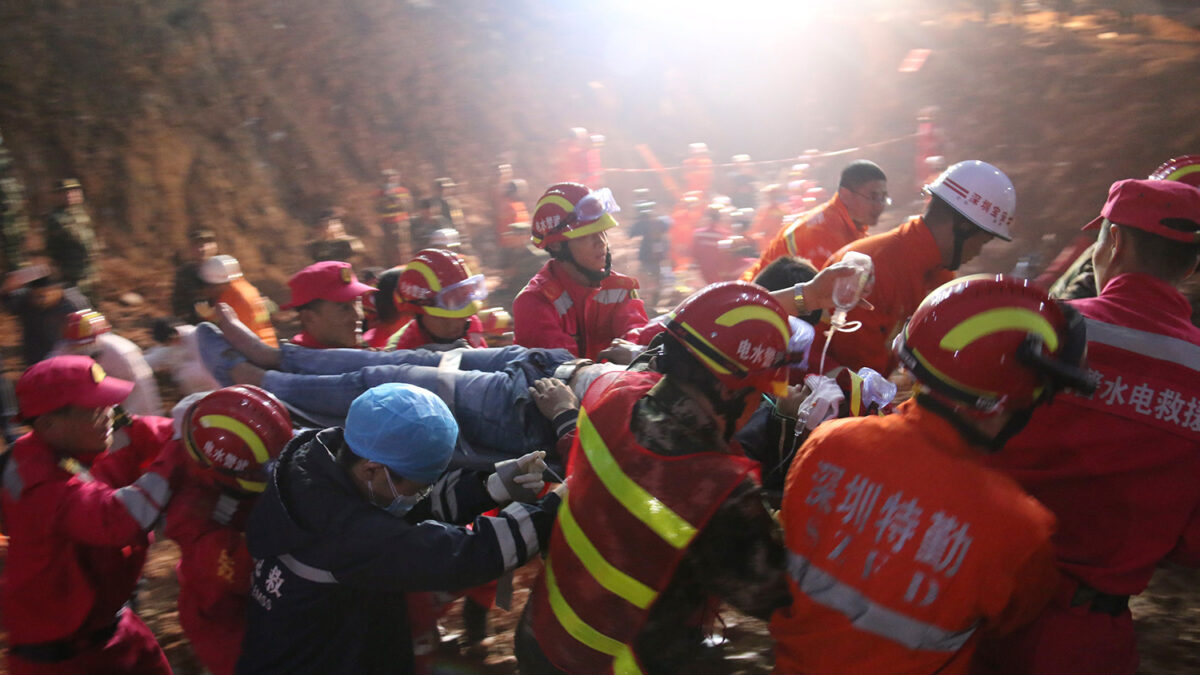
250,117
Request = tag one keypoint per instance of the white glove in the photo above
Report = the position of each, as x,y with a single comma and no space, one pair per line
822,404
518,479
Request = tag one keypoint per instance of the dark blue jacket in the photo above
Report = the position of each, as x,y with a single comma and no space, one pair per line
331,569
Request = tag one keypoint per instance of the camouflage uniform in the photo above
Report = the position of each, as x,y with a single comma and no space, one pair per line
71,244
13,219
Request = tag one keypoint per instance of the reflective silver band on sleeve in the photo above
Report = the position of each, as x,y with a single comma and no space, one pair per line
1152,345
307,572
504,537
520,513
865,615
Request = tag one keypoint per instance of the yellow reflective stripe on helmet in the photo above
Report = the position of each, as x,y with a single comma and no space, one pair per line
606,222
252,485
751,312
995,320
623,659
644,506
713,365
558,200
1178,174
241,431
950,380
635,592
430,277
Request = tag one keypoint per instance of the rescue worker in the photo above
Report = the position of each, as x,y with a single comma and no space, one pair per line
230,434
37,298
970,204
332,242
654,262
69,238
861,197
14,219
446,204
440,287
903,548
383,317
355,517
698,169
511,223
327,299
684,219
576,302
225,284
768,219
1118,468
423,225
188,288
711,245
77,503
662,512
395,205
88,333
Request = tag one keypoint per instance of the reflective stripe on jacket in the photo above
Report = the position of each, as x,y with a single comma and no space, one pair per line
621,532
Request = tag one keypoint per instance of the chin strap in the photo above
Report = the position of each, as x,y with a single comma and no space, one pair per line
563,253
974,436
960,238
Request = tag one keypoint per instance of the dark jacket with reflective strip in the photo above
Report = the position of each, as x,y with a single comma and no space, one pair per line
331,569
71,526
625,526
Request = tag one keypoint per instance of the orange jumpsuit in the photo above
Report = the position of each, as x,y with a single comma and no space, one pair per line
683,223
903,549
698,174
908,265
251,309
813,236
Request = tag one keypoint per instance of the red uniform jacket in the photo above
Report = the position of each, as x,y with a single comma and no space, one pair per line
213,571
413,336
552,311
1120,470
71,526
620,532
903,548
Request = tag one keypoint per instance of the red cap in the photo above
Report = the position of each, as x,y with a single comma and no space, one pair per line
1144,204
331,280
67,380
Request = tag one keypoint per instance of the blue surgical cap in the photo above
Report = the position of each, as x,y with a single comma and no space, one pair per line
407,429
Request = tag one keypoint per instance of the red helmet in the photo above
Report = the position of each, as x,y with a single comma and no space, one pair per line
571,210
234,432
739,332
438,283
1185,169
83,326
994,343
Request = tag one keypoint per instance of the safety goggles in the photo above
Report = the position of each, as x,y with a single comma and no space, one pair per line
591,208
458,296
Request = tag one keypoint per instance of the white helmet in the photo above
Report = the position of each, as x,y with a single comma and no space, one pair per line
981,193
220,269
446,237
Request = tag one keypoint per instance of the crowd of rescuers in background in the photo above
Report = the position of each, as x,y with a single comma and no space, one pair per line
903,470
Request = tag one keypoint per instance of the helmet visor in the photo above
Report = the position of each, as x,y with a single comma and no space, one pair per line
594,205
458,296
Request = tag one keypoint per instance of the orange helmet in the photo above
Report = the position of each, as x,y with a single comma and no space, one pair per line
438,283
1185,169
738,332
994,343
234,432
83,326
571,210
